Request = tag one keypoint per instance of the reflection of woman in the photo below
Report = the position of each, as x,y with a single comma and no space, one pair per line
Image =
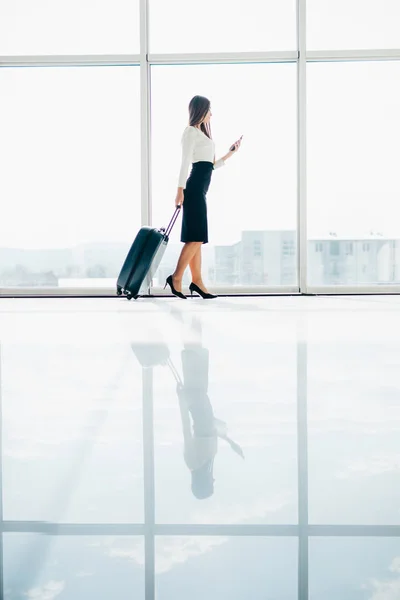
201,429
197,148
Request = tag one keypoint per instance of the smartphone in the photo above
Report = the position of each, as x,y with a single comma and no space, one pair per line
233,147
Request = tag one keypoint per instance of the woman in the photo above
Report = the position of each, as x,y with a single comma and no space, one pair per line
201,429
197,148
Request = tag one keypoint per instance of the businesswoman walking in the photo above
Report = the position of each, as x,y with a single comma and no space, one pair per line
197,148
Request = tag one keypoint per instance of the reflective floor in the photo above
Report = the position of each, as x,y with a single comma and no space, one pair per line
239,448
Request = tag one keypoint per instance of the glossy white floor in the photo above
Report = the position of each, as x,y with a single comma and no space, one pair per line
206,449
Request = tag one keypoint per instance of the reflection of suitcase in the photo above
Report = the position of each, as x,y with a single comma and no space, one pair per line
143,260
151,355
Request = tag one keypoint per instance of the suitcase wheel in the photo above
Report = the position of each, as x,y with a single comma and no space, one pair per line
129,296
119,291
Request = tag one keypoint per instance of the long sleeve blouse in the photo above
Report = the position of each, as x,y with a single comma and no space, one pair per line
196,146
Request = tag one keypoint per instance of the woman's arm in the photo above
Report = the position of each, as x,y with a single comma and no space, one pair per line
188,142
221,161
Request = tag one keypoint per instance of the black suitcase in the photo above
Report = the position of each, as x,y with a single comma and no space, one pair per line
143,259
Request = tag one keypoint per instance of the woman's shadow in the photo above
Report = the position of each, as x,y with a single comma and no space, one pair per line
201,429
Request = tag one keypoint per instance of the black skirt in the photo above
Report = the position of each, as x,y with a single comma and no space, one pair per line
194,218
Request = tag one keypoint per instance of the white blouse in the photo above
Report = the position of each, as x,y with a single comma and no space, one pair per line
196,146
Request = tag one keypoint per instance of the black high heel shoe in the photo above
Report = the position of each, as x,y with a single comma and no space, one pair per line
195,288
173,290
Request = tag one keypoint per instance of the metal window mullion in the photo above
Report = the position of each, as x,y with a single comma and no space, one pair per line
354,531
302,464
73,529
147,374
352,55
2,591
221,290
148,482
109,292
302,147
157,290
354,290
83,60
145,123
234,530
302,417
222,57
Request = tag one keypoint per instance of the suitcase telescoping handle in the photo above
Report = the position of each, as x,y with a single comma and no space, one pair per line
172,221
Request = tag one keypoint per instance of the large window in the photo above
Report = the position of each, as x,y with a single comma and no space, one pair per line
222,26
69,27
94,100
353,183
252,200
70,156
353,24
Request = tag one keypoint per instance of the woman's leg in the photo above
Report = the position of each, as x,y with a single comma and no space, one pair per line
195,267
187,253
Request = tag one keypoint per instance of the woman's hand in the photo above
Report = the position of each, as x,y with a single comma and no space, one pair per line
179,197
235,147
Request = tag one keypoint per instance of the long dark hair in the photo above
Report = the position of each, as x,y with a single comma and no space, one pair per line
198,108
